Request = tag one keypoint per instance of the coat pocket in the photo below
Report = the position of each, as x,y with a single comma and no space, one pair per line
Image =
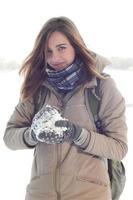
93,170
91,180
43,185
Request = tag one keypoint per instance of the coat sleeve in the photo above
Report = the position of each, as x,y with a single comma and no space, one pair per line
18,124
113,143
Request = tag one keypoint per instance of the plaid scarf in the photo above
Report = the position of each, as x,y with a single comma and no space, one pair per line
68,78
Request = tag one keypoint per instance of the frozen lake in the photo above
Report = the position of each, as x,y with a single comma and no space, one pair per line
16,165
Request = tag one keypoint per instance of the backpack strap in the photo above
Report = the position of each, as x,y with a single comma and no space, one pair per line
94,100
40,97
94,103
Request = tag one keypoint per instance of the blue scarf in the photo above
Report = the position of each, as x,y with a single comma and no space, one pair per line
68,78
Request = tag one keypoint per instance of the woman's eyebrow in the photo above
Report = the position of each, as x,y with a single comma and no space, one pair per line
61,44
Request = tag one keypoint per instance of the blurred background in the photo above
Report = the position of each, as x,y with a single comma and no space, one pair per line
106,27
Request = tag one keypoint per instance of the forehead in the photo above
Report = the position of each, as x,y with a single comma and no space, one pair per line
57,38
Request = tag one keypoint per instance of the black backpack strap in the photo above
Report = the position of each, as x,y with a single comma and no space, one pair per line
94,100
94,103
40,97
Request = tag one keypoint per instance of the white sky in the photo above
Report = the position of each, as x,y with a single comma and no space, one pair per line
105,25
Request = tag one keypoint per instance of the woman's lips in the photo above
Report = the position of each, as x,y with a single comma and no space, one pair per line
58,64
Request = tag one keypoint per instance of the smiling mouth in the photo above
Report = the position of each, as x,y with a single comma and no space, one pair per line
59,65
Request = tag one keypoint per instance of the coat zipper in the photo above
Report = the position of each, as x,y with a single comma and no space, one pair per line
57,172
61,105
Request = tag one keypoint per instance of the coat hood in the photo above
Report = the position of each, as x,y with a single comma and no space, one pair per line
101,62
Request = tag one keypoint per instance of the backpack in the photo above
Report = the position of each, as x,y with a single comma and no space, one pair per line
116,168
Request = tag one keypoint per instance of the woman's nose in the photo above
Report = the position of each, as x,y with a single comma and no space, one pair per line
55,58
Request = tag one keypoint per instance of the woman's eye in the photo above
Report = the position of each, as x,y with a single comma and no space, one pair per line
62,48
49,52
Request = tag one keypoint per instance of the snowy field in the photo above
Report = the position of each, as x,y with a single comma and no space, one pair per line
15,166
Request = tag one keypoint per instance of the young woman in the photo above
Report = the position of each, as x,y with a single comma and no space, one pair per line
72,165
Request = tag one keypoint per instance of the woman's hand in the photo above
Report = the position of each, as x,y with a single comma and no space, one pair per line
47,137
43,127
73,132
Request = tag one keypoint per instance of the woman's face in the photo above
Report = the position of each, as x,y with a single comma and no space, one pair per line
60,53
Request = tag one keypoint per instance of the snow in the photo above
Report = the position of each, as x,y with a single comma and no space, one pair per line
44,121
15,166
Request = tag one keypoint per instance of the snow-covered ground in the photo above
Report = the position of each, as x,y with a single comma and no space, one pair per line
15,166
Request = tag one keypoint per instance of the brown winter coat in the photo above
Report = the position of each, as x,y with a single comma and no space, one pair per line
63,171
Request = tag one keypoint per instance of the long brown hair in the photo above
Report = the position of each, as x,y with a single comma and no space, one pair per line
33,67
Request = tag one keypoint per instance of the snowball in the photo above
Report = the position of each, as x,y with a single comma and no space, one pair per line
44,121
